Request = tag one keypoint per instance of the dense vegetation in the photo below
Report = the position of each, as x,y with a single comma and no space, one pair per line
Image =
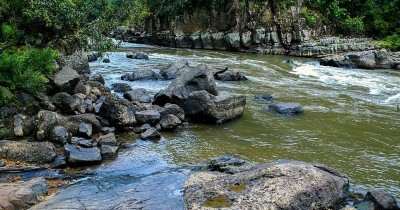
372,18
33,33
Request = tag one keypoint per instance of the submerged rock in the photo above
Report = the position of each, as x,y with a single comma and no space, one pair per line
279,185
265,97
225,163
287,108
382,199
31,152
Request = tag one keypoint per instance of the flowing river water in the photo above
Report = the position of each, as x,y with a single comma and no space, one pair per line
351,123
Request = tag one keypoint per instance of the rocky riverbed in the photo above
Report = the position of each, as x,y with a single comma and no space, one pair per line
85,117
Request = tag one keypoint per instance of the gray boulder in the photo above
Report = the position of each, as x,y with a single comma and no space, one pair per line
220,42
147,117
47,120
382,199
31,152
287,108
247,40
119,112
60,135
66,79
198,78
97,78
200,105
336,61
108,139
170,122
66,103
172,109
79,141
363,60
92,57
78,156
85,130
140,55
278,185
108,152
184,42
139,94
173,70
73,123
150,134
121,87
106,60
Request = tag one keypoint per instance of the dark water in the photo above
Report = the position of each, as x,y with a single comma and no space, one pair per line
351,121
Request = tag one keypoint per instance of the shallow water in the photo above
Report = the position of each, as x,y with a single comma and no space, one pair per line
351,120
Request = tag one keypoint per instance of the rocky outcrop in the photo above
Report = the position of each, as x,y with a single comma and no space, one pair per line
278,185
31,152
22,194
195,92
373,59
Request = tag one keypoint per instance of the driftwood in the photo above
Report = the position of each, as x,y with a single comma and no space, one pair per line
220,72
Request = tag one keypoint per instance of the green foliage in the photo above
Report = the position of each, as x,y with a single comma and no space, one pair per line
353,26
5,96
392,42
310,16
26,70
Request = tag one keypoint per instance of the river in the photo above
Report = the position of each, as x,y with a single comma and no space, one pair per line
351,123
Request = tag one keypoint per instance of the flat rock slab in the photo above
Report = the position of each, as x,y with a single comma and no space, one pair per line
22,194
32,152
82,156
287,108
279,185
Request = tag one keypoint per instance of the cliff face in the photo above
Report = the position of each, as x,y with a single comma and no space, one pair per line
265,27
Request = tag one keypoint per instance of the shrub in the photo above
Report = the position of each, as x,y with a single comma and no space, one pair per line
392,42
26,70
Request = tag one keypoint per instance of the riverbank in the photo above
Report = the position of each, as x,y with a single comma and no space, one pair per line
185,148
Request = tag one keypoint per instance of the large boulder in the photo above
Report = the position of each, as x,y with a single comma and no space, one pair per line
77,156
108,139
363,60
172,71
119,112
205,107
172,109
66,79
336,61
77,61
66,103
32,152
198,78
230,76
220,42
279,185
139,94
150,134
108,152
59,135
233,39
